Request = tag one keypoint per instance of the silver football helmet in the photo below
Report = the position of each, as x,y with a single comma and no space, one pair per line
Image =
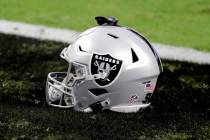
110,67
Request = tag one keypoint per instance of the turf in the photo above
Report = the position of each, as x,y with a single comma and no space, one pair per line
179,22
180,106
19,121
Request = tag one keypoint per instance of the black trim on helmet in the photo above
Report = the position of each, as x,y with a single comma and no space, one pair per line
151,47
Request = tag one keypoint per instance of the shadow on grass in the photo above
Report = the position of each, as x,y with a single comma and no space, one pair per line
179,110
183,87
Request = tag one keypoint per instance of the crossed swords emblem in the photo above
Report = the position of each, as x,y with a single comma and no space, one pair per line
104,69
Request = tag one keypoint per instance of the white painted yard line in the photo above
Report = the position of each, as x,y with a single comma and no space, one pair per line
37,31
182,54
68,36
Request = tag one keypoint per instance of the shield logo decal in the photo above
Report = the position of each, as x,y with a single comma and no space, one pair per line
107,65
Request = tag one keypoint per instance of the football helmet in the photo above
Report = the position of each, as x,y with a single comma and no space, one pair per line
110,67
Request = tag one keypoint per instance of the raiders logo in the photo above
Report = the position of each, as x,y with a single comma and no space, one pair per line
106,65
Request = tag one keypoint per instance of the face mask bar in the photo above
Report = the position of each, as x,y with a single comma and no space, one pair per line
59,85
59,88
57,93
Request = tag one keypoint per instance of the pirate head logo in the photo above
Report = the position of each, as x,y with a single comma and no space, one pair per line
107,66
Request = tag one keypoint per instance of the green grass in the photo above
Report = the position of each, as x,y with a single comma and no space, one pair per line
180,22
22,121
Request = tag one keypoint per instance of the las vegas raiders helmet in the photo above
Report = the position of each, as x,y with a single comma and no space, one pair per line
110,67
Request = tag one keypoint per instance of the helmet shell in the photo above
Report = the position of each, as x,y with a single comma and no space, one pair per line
132,68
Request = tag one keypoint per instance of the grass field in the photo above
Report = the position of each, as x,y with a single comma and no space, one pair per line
180,106
35,122
180,22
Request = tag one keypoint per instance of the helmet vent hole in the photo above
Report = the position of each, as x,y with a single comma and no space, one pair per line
98,91
134,56
114,36
80,49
